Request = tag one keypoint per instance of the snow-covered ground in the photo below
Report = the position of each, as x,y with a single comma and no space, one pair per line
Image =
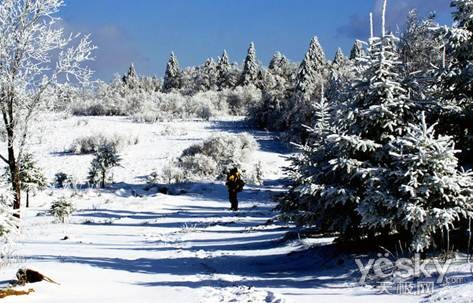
126,244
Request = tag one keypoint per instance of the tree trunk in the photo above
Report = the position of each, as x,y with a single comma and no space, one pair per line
102,185
14,169
27,198
15,178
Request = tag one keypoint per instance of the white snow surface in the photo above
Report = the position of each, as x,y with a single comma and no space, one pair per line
126,244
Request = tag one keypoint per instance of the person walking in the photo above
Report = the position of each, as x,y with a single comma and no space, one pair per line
234,185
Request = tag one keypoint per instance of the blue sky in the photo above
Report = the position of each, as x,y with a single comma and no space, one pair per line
146,31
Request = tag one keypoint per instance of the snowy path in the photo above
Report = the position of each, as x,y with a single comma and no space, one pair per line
187,248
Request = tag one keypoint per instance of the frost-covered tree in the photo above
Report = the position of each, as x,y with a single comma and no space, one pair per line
271,112
223,71
339,59
282,67
335,179
106,158
36,56
311,173
150,84
357,50
309,79
420,193
207,76
131,78
172,77
278,63
250,68
31,176
420,48
308,75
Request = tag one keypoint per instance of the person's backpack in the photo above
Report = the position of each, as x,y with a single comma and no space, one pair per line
239,184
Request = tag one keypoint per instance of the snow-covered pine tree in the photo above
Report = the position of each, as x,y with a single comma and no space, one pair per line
106,158
309,79
380,112
278,63
280,66
251,68
339,58
61,209
223,70
131,78
207,76
357,50
377,114
308,75
423,193
172,77
309,170
31,176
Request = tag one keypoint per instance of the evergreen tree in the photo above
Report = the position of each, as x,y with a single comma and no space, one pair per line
250,68
278,64
207,76
334,179
106,158
357,50
223,71
309,79
339,59
31,176
310,171
420,193
131,78
172,77
309,71
61,209
212,74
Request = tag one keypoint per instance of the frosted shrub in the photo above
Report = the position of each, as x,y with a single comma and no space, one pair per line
198,166
149,113
220,153
169,174
217,100
199,107
90,144
242,98
211,160
61,209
